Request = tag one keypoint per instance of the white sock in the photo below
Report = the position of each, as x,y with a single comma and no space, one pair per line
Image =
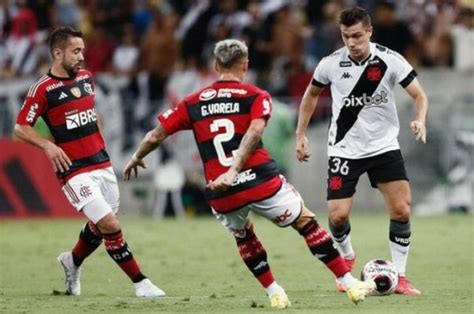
345,247
399,257
274,288
347,280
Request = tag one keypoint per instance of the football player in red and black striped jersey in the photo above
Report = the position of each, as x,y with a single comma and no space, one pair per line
228,118
64,98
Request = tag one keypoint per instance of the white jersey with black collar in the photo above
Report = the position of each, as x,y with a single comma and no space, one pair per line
364,120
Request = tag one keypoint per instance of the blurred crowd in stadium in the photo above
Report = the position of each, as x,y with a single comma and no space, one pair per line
283,36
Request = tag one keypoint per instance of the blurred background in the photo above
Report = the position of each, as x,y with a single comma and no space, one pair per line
148,54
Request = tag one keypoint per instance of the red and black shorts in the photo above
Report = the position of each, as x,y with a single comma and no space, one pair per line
343,173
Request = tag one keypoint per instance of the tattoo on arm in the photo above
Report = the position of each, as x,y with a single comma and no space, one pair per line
247,147
151,141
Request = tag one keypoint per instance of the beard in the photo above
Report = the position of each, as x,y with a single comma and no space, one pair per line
71,69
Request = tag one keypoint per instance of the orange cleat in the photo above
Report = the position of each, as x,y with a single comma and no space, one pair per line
405,287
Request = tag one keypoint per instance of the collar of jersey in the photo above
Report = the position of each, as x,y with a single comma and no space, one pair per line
361,62
60,78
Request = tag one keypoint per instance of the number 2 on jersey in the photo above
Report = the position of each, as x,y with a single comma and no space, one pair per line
228,125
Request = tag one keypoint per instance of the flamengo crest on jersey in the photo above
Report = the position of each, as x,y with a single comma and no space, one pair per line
68,108
364,118
219,116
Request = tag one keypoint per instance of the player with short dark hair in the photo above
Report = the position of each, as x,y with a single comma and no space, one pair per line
363,133
228,118
64,98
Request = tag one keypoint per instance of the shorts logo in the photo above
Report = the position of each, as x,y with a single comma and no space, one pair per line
374,74
335,183
85,191
239,233
283,217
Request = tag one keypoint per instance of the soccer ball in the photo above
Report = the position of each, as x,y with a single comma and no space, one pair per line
383,273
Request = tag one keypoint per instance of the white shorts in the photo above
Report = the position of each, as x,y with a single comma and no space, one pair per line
283,209
86,187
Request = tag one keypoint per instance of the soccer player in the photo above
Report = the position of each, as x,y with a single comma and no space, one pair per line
363,133
228,118
64,98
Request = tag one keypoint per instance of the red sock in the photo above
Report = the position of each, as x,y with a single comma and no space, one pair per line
255,257
89,240
321,245
121,254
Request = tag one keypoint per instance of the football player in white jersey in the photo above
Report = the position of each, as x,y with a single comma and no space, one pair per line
363,133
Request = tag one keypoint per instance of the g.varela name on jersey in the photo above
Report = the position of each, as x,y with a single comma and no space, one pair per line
364,118
219,108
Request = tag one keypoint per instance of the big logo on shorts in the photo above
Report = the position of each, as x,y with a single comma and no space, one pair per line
335,183
283,217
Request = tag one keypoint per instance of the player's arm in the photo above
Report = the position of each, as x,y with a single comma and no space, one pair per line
307,106
58,157
246,148
100,125
417,126
150,142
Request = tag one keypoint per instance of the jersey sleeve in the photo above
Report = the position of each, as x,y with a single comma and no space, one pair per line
33,107
321,74
403,71
176,119
261,107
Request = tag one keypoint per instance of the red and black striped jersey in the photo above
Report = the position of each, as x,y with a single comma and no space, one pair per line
68,108
219,116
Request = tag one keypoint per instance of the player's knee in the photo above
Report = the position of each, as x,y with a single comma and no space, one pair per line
108,224
338,218
401,211
305,217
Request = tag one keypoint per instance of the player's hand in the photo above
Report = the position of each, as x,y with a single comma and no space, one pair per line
133,165
224,181
58,157
303,152
419,129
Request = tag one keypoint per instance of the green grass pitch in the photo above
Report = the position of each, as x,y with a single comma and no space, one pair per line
197,264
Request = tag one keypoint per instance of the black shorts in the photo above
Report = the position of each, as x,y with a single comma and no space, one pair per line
343,173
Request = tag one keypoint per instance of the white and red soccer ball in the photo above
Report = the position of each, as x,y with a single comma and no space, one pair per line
383,273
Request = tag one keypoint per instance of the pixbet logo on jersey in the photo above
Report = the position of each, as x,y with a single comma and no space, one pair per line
78,119
365,100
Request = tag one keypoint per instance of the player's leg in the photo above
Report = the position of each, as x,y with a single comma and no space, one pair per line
322,247
253,253
103,210
389,175
286,208
343,175
398,197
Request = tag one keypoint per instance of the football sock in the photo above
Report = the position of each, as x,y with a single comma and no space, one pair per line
347,280
89,240
274,288
119,251
255,257
342,236
322,247
399,244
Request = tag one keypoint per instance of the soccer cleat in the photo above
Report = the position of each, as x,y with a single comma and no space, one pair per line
350,264
357,292
405,287
279,300
73,273
146,289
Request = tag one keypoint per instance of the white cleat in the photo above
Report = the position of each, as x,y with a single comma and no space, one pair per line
73,273
360,290
146,289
